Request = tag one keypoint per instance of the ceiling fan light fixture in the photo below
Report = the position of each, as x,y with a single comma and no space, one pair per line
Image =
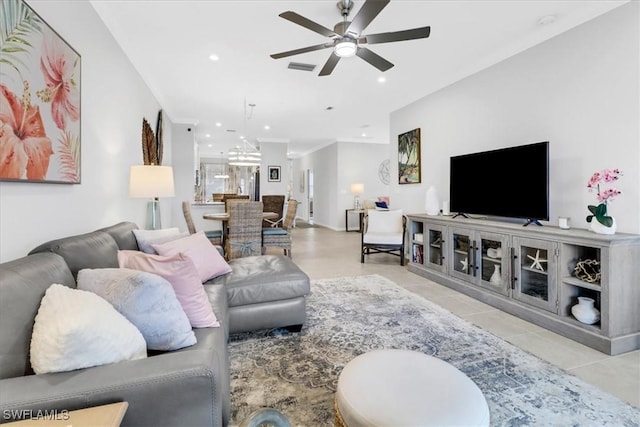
345,48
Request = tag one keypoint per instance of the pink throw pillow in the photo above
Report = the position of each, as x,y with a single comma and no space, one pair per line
208,261
181,273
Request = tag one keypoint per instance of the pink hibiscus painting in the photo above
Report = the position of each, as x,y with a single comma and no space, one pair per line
39,135
24,147
58,67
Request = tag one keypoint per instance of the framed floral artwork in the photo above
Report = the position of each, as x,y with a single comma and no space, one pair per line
39,100
409,168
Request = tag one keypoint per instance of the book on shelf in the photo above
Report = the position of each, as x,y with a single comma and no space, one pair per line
417,254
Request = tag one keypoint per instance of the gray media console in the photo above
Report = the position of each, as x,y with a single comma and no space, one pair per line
530,272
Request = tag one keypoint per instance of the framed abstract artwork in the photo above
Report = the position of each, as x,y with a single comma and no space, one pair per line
39,100
409,171
274,174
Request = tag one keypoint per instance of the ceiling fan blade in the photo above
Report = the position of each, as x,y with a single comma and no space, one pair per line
367,13
329,65
308,24
301,50
374,59
396,36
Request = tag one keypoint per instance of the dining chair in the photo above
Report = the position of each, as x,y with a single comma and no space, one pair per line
244,229
281,237
214,236
227,197
273,203
383,232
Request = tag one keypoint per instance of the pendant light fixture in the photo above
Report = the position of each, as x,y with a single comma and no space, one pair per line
223,174
245,157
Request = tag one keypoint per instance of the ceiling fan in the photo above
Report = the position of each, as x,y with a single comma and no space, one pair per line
347,38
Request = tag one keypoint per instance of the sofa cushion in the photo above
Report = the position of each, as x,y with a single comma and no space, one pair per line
146,300
76,329
183,276
206,258
122,234
146,238
23,283
92,250
264,278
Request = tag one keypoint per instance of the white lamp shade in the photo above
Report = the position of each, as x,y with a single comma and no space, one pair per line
357,189
151,181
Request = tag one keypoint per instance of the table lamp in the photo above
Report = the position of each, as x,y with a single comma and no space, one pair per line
151,181
357,189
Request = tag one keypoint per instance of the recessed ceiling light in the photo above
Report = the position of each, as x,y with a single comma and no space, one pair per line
267,127
364,134
208,135
218,124
210,145
382,79
213,57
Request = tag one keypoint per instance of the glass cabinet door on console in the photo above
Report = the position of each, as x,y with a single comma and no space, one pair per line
491,262
434,249
534,273
461,254
480,258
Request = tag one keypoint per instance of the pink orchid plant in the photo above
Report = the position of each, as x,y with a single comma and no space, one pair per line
604,196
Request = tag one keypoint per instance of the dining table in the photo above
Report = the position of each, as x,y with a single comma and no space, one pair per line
224,216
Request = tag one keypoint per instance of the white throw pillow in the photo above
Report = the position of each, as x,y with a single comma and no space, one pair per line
146,238
146,300
76,329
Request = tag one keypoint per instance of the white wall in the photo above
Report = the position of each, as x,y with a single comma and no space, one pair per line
183,172
114,100
335,168
274,154
358,163
579,90
324,164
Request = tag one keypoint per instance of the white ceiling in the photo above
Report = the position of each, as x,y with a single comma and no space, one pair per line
170,41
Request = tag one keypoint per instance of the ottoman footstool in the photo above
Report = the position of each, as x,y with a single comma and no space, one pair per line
403,388
266,291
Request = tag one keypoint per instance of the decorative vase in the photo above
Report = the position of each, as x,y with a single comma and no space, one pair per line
585,312
432,204
496,277
603,229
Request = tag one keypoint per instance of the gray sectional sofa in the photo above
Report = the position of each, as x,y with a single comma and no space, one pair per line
186,387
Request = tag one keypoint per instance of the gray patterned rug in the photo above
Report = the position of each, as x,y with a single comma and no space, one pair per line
297,373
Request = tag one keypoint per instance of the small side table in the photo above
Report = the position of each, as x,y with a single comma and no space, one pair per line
360,213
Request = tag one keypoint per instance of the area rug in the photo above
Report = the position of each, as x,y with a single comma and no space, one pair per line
297,373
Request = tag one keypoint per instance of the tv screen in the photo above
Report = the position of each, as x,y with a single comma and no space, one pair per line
508,182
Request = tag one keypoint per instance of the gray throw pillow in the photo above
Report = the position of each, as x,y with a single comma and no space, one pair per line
146,300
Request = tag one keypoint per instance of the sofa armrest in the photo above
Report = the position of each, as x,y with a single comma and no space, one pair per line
170,389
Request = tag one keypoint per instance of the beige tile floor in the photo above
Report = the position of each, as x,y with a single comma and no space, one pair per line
324,253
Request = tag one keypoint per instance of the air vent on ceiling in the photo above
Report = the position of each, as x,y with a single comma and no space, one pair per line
300,66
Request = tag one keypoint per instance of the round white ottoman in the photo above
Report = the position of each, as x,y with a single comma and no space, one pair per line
407,388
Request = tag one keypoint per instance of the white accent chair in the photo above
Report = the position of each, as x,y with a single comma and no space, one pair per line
383,231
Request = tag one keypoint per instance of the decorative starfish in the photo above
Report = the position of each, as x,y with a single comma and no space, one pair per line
465,264
537,261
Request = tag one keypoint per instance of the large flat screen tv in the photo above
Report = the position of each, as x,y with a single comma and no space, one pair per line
509,182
